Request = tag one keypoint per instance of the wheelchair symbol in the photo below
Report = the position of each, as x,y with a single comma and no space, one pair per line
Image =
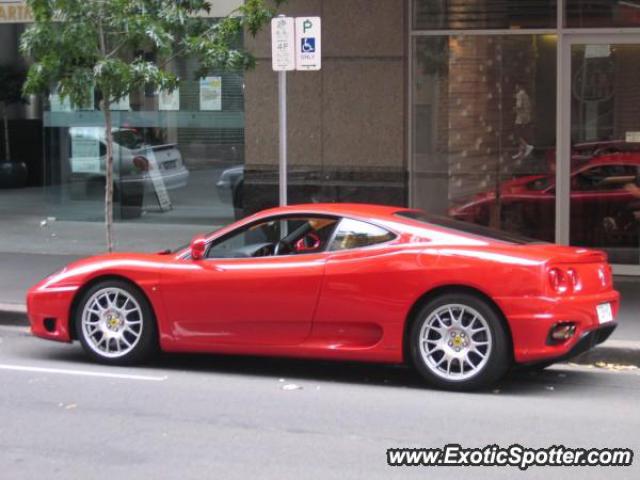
309,45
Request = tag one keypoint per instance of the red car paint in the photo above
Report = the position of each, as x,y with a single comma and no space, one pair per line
350,304
530,201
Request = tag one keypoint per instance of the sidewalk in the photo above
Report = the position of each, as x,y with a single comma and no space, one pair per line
55,243
18,271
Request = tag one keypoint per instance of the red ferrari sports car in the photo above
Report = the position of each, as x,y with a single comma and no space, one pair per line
462,303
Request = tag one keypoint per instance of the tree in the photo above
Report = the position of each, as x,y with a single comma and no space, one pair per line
11,80
123,46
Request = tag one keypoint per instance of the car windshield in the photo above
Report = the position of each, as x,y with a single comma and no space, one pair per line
465,227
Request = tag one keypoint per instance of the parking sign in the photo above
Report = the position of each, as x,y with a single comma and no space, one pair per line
308,43
283,44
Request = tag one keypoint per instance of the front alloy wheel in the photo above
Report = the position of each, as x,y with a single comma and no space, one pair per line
459,342
115,323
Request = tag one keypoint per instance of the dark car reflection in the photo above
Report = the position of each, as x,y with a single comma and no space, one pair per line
230,186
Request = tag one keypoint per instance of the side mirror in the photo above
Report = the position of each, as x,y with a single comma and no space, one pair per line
198,247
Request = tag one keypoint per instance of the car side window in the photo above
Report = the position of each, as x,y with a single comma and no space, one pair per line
357,234
232,247
605,178
294,235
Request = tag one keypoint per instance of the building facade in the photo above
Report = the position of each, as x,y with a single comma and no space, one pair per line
520,115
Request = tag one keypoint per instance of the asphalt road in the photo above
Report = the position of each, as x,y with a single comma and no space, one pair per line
201,417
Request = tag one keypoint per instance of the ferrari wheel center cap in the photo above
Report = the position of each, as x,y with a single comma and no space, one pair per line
458,340
113,320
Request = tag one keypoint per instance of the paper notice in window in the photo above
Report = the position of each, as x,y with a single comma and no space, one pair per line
211,93
632,137
85,155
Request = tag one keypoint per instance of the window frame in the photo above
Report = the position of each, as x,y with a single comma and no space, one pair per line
444,22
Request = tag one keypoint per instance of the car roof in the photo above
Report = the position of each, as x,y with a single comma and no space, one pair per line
386,216
618,158
366,210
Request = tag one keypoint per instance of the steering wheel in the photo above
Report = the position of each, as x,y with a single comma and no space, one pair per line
308,243
283,246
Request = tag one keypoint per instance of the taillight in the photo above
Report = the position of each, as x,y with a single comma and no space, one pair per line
574,280
559,280
141,163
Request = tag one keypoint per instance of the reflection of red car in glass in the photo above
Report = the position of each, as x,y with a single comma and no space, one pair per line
583,152
599,202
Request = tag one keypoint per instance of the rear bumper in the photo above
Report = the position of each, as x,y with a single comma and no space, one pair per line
588,340
531,319
584,344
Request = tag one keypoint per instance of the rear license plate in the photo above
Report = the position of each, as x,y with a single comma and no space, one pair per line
605,314
170,164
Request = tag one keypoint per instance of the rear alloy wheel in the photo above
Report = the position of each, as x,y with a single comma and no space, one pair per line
459,342
115,324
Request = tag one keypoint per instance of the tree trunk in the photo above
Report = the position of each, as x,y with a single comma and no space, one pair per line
7,147
108,191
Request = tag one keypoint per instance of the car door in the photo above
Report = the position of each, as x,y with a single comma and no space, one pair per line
368,283
222,300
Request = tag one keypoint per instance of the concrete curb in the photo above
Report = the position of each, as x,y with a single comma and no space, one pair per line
610,352
13,314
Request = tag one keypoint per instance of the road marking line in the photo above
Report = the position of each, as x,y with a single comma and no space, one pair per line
60,371
14,328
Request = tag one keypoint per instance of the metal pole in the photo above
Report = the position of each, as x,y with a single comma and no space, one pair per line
563,131
282,100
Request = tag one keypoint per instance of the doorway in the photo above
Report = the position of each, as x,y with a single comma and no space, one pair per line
600,160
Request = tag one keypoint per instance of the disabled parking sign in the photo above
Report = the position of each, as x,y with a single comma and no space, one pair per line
308,38
308,45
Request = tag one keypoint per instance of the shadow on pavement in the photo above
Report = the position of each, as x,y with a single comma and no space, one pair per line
516,383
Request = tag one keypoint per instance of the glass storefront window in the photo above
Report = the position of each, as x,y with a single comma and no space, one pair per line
484,130
175,159
602,13
170,151
605,158
21,141
483,14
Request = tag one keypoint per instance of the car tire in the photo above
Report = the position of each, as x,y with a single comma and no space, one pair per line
115,324
458,341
